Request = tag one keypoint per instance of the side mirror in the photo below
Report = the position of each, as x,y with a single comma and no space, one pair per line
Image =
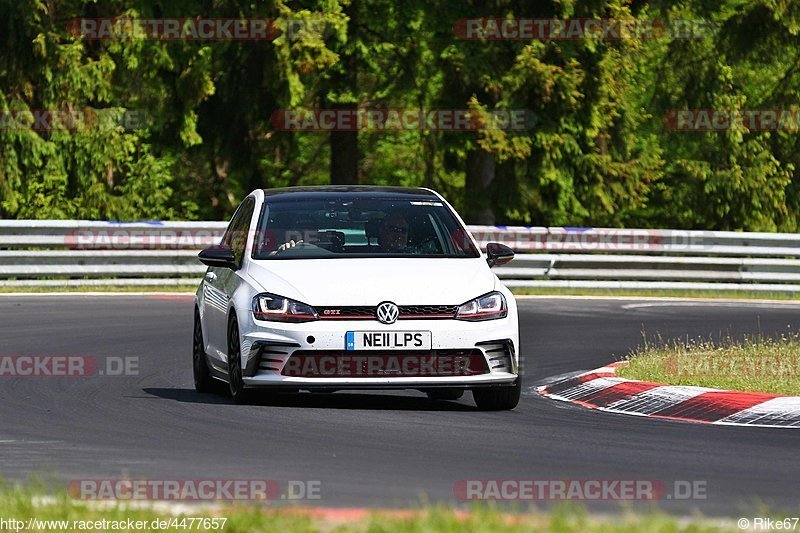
498,254
218,256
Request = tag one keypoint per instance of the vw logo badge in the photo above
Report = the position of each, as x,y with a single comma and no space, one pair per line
387,312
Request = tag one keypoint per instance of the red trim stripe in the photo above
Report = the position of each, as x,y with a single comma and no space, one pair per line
363,317
345,317
410,317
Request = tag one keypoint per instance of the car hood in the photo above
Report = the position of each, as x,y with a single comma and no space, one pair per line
369,281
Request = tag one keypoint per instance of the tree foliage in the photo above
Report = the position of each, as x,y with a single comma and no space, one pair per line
182,129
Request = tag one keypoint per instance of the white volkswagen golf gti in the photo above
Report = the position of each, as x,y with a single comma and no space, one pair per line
355,287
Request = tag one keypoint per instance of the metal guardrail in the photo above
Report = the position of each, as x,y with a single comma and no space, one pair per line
66,252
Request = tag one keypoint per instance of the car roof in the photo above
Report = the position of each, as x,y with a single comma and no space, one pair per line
364,191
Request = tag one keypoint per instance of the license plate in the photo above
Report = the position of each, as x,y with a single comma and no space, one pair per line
387,340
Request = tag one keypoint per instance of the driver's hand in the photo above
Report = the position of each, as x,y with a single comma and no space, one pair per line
286,246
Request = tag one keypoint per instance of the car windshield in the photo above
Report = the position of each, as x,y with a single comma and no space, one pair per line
341,227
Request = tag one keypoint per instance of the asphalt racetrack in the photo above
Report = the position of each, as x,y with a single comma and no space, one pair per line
376,449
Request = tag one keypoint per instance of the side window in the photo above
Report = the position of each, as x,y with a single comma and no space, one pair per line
236,234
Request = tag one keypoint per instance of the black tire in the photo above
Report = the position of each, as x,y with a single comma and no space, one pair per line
203,382
445,394
498,398
235,382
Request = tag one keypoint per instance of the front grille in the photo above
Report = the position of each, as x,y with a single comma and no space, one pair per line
428,310
373,363
367,312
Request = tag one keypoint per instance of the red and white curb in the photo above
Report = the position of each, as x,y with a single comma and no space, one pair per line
603,390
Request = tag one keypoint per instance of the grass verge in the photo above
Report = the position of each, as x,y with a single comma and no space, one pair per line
754,364
60,513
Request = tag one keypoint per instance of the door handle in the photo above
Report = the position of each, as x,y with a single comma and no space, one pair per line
210,276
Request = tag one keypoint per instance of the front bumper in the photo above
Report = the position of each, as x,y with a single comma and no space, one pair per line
268,346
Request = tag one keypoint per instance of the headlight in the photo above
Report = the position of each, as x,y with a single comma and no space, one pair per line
280,309
487,307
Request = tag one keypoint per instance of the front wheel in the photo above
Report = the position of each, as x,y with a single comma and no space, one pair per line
498,398
235,382
203,382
